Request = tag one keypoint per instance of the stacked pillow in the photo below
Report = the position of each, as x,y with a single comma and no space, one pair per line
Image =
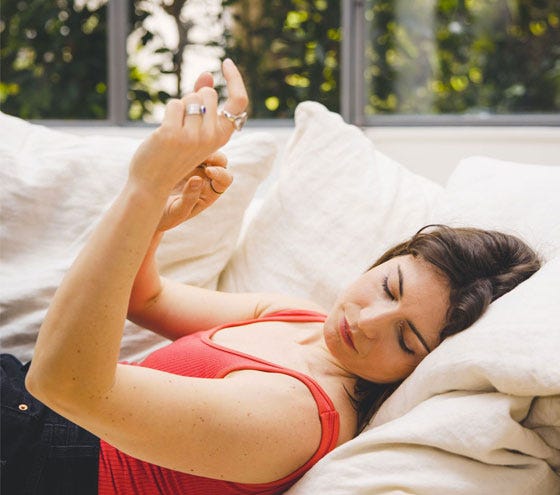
54,186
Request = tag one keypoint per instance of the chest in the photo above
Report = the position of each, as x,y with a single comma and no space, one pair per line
281,343
293,346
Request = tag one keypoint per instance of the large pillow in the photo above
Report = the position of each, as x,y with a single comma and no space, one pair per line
519,198
55,185
337,205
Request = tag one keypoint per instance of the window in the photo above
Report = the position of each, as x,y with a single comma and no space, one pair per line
375,61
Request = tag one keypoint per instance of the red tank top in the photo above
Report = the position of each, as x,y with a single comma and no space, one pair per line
197,355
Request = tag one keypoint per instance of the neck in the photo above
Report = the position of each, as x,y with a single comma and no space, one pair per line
321,361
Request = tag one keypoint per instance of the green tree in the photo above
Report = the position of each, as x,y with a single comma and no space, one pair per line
288,51
144,91
463,56
521,64
53,60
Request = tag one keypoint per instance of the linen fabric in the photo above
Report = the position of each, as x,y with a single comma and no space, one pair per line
54,186
337,205
479,415
518,198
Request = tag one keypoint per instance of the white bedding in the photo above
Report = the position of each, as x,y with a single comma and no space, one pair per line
480,415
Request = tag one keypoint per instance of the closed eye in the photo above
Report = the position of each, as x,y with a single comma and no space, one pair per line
402,343
387,290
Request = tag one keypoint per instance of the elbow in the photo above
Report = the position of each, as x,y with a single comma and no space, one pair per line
52,393
140,306
37,387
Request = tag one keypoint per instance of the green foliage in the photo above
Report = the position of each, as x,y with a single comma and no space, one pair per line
421,57
288,51
143,92
463,56
53,60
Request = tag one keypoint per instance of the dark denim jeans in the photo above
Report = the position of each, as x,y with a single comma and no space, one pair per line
41,453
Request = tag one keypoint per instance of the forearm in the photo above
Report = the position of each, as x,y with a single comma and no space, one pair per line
79,341
147,284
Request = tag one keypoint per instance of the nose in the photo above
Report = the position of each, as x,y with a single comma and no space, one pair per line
375,321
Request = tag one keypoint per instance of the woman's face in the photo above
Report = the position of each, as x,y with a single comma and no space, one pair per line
388,320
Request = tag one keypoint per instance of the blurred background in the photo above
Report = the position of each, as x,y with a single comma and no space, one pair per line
119,61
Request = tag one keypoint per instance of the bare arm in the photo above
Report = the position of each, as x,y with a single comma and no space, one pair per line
173,309
79,340
200,426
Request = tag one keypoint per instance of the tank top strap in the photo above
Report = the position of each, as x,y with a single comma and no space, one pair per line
295,315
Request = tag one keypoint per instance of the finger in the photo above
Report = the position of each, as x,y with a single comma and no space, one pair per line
237,94
189,197
204,80
220,179
174,113
194,120
217,159
209,98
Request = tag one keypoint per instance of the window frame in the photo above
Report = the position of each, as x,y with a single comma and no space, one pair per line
352,84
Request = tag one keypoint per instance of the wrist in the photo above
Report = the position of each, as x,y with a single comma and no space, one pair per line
146,194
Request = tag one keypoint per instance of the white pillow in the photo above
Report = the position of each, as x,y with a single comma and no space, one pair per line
522,199
55,185
337,205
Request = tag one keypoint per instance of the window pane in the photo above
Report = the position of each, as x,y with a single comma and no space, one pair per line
462,57
287,51
53,59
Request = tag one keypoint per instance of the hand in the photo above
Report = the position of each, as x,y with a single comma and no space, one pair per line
182,142
196,192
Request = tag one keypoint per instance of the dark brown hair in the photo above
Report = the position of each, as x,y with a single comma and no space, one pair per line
480,266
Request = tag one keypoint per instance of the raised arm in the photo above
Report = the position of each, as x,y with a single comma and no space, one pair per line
221,428
173,309
79,340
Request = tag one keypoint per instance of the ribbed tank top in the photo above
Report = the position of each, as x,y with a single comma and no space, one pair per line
197,355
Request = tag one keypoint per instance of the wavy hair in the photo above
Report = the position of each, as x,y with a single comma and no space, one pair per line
479,265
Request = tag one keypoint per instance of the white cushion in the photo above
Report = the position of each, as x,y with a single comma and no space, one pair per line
521,199
55,185
337,205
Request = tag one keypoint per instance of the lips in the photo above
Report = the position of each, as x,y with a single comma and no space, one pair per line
345,333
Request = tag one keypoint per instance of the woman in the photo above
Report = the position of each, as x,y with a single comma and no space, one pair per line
243,407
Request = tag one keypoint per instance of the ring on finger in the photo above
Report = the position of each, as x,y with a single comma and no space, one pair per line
238,120
213,189
195,109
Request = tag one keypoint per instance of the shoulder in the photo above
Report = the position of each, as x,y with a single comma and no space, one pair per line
281,421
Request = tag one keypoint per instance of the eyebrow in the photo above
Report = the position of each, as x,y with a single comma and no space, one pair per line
412,327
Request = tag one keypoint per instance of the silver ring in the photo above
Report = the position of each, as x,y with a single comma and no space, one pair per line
238,120
195,109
